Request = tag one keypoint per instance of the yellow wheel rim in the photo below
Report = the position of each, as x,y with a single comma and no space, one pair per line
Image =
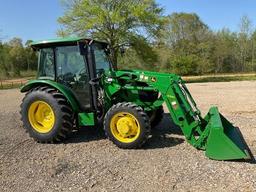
41,116
125,127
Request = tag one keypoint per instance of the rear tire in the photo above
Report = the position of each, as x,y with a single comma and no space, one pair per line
47,115
127,125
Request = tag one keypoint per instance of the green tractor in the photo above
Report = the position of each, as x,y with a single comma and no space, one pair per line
77,86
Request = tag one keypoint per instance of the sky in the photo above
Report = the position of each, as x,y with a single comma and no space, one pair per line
37,19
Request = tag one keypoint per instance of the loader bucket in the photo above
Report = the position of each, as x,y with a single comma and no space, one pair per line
225,142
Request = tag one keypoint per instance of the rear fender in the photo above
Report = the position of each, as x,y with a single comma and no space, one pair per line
64,90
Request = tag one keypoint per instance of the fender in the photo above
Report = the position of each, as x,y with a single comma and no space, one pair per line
64,90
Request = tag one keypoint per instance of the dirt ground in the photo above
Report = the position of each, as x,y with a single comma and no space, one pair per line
89,162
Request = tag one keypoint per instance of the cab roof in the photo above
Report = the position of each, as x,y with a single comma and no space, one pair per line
60,41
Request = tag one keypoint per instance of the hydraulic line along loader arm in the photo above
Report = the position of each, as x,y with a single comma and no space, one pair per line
213,133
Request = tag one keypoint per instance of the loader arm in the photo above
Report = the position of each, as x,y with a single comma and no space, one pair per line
213,133
182,108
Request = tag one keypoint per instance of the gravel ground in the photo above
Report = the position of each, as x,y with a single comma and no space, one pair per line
89,162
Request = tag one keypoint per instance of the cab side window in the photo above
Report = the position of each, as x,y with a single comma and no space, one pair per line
46,64
70,65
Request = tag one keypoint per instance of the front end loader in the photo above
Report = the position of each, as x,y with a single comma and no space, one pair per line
77,86
213,133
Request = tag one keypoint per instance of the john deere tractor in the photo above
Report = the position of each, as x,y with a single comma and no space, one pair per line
76,86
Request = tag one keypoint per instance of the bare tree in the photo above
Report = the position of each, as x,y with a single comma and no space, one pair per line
244,44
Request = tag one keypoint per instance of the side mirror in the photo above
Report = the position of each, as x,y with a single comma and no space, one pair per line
83,48
107,51
122,50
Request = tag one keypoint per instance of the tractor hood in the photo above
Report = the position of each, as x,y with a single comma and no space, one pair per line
145,76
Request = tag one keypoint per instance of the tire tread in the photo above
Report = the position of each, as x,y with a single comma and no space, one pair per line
67,114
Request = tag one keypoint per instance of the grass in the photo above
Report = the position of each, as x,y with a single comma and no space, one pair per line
14,81
220,78
23,74
28,73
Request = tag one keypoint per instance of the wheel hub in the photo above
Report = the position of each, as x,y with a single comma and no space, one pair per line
41,116
124,126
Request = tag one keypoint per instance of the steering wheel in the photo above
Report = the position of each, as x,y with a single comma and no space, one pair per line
99,71
81,73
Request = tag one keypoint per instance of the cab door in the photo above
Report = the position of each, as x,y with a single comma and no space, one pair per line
71,71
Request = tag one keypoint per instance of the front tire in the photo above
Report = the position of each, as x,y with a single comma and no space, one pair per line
46,115
156,116
127,125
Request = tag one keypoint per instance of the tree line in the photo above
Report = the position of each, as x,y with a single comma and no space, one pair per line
180,42
177,43
16,57
187,46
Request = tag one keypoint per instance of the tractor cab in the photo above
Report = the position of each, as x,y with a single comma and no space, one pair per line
73,62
